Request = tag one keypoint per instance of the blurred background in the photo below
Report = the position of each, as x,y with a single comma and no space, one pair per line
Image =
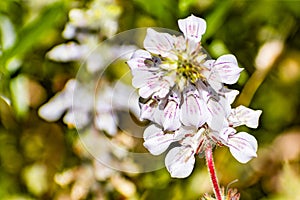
40,152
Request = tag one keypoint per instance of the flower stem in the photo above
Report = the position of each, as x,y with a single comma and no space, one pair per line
212,171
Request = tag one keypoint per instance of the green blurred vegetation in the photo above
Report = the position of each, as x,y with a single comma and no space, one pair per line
33,151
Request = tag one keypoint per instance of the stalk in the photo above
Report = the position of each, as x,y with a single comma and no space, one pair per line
212,172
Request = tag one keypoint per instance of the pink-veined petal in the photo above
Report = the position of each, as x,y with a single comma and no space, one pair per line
156,141
165,86
193,139
151,87
180,161
227,69
148,109
242,115
192,27
137,61
170,118
242,146
141,78
193,111
225,133
229,94
218,110
158,43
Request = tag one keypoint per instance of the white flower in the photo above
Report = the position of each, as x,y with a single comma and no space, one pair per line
183,95
179,160
77,101
78,113
177,65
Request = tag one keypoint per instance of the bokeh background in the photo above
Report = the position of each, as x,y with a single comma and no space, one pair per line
44,160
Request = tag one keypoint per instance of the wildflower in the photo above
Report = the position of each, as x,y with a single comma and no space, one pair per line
175,70
82,105
183,94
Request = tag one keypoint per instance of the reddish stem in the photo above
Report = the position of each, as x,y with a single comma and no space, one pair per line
212,171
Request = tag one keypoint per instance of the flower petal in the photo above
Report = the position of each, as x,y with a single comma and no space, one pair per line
148,109
193,111
242,146
140,79
77,118
229,94
192,27
159,87
53,110
106,122
218,111
156,141
226,67
67,52
139,61
180,161
169,118
158,43
242,115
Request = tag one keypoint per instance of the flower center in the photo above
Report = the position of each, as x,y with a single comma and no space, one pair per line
189,71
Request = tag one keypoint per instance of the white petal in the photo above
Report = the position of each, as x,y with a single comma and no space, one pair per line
224,134
244,116
160,87
164,89
142,77
180,161
148,109
54,109
58,104
170,119
77,118
159,43
218,115
212,77
242,146
106,122
193,111
156,141
230,95
137,61
67,52
192,27
193,139
227,68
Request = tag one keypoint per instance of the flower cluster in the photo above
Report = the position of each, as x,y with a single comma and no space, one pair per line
183,94
85,30
82,104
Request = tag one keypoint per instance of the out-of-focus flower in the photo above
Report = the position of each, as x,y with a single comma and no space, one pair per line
95,54
183,94
101,15
89,27
82,104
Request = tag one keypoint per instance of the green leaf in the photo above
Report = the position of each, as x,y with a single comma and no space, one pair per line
20,94
216,18
35,31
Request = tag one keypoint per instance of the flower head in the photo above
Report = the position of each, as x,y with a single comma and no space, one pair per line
182,92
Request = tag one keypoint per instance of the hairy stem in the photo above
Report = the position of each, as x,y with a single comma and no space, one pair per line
212,171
